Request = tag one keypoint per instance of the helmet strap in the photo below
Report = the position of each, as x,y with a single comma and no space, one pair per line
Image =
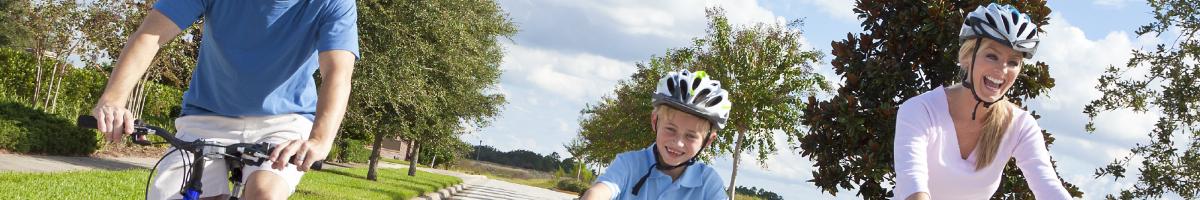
662,165
967,79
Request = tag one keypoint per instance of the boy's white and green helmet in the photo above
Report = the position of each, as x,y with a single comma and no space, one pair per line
695,94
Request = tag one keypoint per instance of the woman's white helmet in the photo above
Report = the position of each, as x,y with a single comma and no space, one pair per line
1004,24
696,94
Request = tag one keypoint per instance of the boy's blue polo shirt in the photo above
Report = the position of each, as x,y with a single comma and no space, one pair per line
257,57
699,181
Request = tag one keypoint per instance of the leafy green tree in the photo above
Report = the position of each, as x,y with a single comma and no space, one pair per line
907,47
766,68
14,34
109,24
559,173
1169,160
428,69
575,148
444,152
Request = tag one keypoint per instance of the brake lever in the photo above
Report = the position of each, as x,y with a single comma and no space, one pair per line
139,136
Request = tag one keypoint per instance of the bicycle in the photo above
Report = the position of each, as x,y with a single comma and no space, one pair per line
236,156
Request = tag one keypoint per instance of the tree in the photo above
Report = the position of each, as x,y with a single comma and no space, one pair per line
575,148
111,22
428,69
1169,160
765,67
13,33
444,151
908,47
758,192
54,24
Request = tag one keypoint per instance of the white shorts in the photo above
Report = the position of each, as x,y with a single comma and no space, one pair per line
168,179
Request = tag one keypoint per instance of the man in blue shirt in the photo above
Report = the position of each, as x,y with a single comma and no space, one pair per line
253,83
688,111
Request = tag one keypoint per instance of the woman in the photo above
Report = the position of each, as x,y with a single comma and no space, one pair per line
953,142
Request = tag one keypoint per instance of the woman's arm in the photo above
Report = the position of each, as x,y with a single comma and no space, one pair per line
1034,160
912,172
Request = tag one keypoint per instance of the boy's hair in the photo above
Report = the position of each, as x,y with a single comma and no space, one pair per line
664,112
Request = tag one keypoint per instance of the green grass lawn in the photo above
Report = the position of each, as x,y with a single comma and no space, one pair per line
397,161
130,184
125,184
352,184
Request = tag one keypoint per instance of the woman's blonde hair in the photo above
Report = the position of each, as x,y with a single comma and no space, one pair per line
996,118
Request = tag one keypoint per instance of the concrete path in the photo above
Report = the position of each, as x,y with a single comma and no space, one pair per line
480,187
35,163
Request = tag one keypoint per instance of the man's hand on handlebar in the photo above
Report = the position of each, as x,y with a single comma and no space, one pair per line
114,121
306,153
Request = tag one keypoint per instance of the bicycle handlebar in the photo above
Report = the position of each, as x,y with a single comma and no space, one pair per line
141,129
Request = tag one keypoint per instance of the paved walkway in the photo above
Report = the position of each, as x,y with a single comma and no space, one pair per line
34,163
480,187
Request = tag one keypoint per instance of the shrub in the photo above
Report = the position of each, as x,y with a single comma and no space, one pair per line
572,185
27,130
356,151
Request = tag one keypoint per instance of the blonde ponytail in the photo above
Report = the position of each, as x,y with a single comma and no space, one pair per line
996,119
995,124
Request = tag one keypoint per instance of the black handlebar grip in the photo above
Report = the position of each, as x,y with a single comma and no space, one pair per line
86,121
315,166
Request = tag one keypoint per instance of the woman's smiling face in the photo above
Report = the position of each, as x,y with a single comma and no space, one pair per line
996,67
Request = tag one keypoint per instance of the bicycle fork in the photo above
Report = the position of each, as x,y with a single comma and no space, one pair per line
235,177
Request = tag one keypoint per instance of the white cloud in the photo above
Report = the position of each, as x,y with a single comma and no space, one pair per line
575,76
625,30
1076,62
1111,3
838,9
787,173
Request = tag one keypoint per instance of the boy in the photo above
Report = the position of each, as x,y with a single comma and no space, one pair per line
688,110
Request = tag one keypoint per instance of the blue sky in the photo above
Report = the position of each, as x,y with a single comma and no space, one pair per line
570,53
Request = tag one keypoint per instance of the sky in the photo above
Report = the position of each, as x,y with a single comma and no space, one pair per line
570,53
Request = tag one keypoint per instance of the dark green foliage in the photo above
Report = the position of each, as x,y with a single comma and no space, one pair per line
573,185
758,192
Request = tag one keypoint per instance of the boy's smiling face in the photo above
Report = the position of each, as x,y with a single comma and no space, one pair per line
679,135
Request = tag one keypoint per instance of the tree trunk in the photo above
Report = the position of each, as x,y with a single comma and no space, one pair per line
737,154
37,83
49,95
140,99
412,166
60,71
433,161
374,163
58,87
579,168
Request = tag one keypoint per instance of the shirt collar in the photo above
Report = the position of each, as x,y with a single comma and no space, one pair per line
689,179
